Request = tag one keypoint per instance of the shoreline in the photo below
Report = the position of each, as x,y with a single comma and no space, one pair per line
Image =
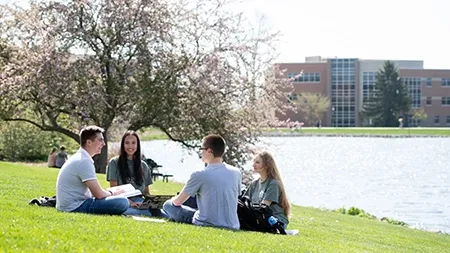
375,132
308,134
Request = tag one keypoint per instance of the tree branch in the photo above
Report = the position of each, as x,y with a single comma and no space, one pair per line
173,138
47,128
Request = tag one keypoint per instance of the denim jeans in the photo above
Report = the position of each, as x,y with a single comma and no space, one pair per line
108,205
181,213
144,212
138,212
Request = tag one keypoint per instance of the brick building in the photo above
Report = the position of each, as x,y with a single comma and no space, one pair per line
348,82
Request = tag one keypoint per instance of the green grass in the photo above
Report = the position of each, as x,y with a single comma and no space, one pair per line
150,134
371,131
27,228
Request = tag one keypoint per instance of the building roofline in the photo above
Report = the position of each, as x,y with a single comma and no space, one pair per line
424,69
300,63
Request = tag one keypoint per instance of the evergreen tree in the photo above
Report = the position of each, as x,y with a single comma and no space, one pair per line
391,99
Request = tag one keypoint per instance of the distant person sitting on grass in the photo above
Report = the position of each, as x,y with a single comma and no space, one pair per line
77,181
128,168
216,188
51,160
61,157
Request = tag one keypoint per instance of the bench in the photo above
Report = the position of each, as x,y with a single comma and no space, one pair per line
155,171
156,175
166,177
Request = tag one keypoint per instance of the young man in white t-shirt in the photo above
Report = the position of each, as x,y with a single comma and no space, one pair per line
216,188
77,187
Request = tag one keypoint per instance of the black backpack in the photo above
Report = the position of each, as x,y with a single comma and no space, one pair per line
255,217
44,201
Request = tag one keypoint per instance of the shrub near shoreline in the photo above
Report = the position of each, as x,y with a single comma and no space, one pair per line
354,211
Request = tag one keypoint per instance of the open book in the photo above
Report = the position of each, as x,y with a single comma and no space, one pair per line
129,190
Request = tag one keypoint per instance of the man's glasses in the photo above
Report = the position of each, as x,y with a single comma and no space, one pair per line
203,148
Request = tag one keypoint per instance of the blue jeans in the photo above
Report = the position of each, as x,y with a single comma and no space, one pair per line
108,205
137,211
181,213
144,212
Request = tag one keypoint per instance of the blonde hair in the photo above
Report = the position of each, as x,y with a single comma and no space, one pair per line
273,173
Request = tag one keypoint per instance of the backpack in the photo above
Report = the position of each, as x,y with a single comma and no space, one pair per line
44,201
257,217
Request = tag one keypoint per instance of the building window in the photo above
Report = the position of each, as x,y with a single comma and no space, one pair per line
429,82
369,80
293,97
313,77
428,100
448,120
445,82
445,100
436,119
317,77
343,92
414,88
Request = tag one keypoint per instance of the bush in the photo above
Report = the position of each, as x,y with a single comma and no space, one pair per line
354,211
394,222
20,141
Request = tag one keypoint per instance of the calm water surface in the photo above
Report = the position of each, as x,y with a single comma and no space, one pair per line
407,179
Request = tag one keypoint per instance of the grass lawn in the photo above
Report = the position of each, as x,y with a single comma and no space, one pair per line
27,228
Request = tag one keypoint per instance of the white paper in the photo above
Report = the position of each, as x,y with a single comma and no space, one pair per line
140,218
292,232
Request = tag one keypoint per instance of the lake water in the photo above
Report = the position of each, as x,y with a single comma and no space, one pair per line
407,179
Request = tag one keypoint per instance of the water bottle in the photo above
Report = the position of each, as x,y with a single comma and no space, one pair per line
272,220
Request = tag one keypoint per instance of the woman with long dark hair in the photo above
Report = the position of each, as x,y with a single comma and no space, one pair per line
128,168
51,160
268,188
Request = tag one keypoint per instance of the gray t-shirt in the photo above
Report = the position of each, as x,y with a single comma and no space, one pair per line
71,191
268,190
113,174
217,188
61,158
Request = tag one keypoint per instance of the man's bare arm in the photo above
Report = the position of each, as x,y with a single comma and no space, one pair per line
180,198
97,190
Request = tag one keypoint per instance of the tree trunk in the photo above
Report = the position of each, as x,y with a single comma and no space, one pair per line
101,160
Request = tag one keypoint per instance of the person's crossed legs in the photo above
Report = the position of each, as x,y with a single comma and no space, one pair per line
181,213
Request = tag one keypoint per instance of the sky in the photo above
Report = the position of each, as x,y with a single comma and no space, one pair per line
366,29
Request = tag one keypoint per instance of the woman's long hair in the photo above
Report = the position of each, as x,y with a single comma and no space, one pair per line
53,151
124,172
274,173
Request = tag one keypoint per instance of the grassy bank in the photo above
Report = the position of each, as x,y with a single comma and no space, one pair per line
30,228
371,131
149,134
